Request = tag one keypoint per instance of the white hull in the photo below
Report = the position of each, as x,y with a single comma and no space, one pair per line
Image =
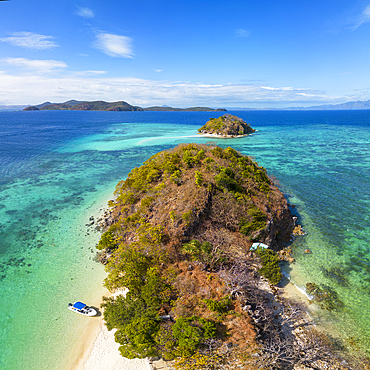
86,311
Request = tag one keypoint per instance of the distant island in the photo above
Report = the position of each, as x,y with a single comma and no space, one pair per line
351,105
226,126
119,106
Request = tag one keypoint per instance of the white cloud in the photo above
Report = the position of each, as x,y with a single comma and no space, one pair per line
42,65
364,17
85,12
241,32
114,45
30,40
158,70
90,73
277,88
35,88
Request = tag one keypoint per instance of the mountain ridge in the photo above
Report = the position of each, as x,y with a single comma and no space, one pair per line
351,105
100,105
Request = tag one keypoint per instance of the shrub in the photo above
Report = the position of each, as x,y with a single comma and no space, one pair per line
127,197
199,156
188,335
146,202
198,178
224,181
196,249
260,176
191,332
170,167
171,162
176,177
204,252
186,216
258,221
107,240
160,186
172,216
230,152
188,158
137,338
217,152
167,342
119,311
221,306
209,328
265,188
200,361
208,160
270,269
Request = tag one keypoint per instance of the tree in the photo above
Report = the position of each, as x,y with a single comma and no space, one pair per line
107,241
137,338
270,269
188,335
120,311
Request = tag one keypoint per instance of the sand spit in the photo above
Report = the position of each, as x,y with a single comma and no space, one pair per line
223,136
103,353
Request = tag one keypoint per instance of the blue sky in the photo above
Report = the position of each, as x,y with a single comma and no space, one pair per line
185,53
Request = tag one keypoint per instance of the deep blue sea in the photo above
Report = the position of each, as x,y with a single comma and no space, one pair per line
58,168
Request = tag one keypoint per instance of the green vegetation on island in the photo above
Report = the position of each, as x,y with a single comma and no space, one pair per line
115,106
94,105
181,228
226,126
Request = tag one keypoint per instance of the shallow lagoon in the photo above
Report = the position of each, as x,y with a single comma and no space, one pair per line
59,168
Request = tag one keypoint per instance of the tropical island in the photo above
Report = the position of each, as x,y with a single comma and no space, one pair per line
193,235
119,106
226,126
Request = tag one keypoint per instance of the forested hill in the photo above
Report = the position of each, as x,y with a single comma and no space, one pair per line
179,238
226,126
114,106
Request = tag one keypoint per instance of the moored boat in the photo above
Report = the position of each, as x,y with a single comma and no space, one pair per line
82,309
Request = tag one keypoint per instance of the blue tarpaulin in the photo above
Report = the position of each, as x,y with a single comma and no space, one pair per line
79,305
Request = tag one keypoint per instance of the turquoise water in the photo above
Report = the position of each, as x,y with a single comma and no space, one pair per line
57,169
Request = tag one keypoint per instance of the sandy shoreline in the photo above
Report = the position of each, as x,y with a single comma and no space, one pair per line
222,136
99,351
103,354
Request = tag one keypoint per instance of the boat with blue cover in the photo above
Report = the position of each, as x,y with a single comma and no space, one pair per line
82,309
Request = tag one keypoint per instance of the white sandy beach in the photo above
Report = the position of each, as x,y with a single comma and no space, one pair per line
103,354
100,351
221,136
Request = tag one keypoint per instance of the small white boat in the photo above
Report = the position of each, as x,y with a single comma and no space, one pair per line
82,309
